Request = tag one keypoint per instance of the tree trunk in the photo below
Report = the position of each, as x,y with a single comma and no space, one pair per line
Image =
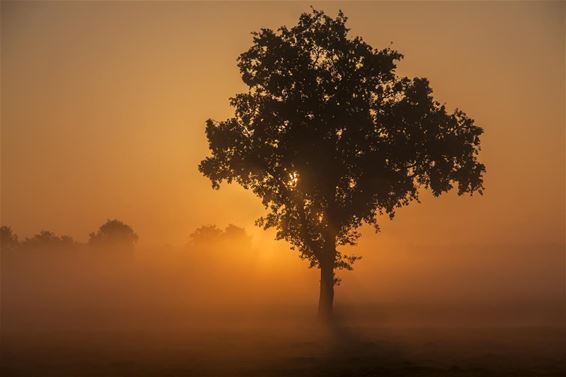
326,298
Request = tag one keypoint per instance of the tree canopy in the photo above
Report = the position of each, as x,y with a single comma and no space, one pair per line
329,136
210,234
114,234
8,239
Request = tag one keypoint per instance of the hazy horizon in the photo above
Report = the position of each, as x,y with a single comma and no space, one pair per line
103,112
120,94
104,79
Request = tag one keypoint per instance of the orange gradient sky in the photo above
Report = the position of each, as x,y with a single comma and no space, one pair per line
103,108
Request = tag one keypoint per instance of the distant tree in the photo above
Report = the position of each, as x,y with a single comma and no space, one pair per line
46,240
8,239
235,233
206,233
329,137
211,234
114,234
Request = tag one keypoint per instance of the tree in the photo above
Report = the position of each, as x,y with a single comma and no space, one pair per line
329,137
212,235
8,239
206,234
114,234
234,233
48,241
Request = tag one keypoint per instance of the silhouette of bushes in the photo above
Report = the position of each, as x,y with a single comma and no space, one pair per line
113,234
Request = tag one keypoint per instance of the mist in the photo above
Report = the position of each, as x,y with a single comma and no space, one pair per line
249,303
229,278
104,112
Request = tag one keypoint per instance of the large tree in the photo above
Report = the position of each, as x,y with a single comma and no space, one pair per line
329,137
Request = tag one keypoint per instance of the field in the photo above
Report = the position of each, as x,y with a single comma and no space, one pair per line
75,314
287,349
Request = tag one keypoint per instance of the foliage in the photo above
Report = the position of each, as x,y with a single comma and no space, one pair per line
46,240
329,137
8,239
114,233
210,234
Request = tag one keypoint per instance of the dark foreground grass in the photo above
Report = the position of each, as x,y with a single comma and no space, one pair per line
286,350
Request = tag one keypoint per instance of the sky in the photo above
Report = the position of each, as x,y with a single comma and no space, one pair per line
103,108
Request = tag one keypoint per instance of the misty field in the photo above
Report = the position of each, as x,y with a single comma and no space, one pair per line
219,309
287,349
274,188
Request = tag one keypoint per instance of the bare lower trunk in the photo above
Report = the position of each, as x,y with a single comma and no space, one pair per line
326,299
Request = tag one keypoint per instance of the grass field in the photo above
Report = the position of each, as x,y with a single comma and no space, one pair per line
287,349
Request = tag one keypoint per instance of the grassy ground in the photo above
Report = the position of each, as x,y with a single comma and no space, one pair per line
287,350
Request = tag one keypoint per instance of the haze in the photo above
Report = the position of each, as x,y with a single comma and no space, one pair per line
103,108
103,112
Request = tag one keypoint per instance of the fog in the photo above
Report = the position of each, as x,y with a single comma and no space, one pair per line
232,302
103,110
237,279
230,278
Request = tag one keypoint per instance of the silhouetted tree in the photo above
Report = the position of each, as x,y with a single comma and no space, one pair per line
235,233
211,234
114,234
46,240
8,239
329,137
206,233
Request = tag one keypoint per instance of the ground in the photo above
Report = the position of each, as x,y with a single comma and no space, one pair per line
287,349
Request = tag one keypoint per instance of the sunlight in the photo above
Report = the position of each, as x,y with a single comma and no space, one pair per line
293,179
183,198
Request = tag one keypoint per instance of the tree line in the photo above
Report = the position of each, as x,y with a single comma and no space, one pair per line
114,234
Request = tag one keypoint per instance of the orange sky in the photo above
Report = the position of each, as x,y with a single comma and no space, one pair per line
103,108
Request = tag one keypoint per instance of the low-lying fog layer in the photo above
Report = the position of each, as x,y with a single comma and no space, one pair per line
231,306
